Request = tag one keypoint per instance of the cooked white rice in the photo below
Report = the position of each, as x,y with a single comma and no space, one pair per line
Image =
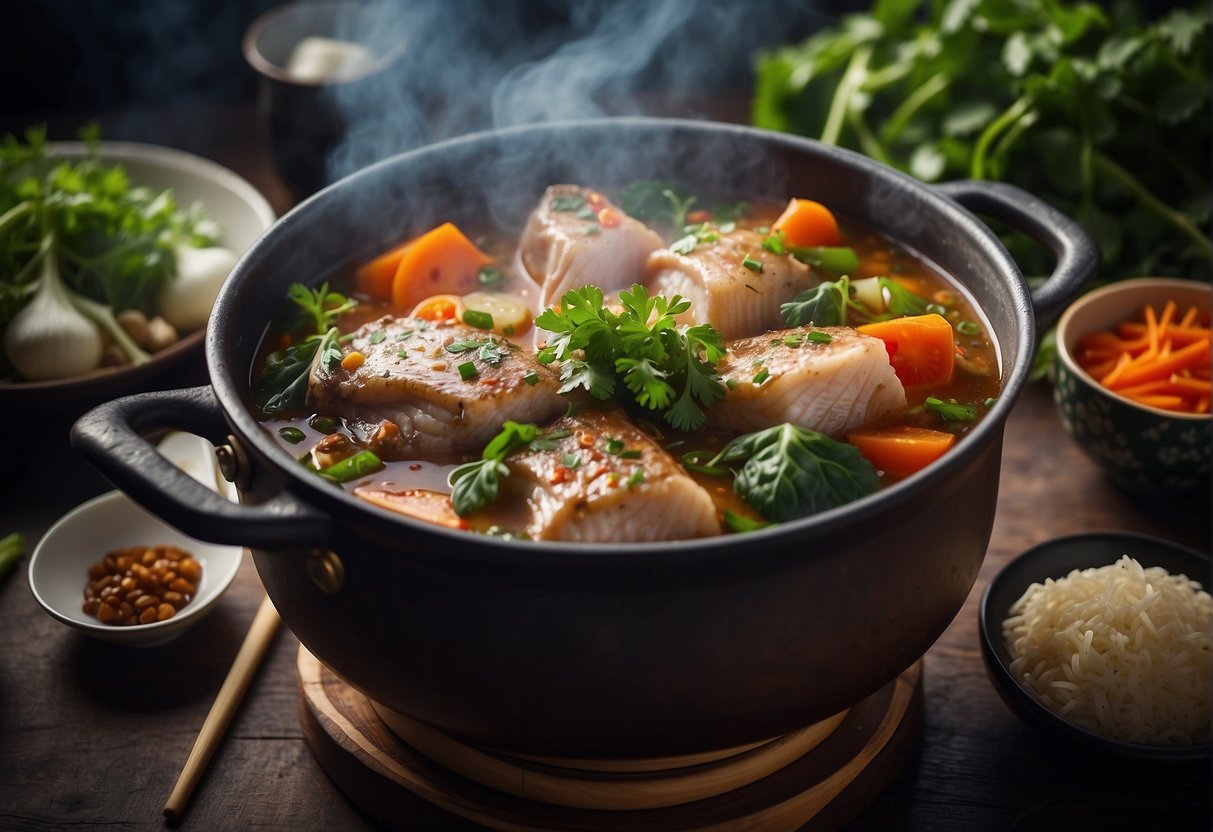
1119,650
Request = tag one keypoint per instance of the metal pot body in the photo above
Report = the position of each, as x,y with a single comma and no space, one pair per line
616,651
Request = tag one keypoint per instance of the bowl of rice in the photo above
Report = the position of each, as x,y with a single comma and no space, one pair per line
1104,640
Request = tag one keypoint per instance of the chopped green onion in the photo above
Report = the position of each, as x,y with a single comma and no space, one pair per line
818,337
572,461
636,477
936,309
762,376
951,411
684,245
324,424
631,453
774,244
351,468
614,445
478,318
989,402
752,264
968,328
569,202
696,461
468,371
591,229
378,336
463,346
292,435
531,378
740,523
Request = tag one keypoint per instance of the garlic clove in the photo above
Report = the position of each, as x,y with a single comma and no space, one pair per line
48,339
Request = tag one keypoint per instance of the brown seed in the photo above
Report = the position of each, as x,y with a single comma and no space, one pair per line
133,596
190,569
106,614
97,570
164,612
91,606
182,585
144,601
148,615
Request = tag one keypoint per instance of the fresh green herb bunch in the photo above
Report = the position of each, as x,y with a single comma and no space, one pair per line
1102,115
114,241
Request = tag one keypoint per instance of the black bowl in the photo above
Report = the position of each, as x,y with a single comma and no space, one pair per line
1055,559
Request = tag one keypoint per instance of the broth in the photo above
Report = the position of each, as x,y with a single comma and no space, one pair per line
973,385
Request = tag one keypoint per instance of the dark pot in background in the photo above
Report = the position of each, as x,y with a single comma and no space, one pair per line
601,650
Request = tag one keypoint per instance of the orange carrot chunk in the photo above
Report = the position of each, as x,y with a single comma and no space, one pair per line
375,278
441,261
921,347
901,450
808,223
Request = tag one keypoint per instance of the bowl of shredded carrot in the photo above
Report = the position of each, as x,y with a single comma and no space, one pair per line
1132,381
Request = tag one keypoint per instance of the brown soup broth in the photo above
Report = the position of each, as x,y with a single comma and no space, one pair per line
975,379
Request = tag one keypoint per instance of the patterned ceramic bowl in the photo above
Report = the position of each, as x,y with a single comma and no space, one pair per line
1146,449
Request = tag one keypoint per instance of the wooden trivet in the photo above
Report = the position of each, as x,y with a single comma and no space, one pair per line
407,775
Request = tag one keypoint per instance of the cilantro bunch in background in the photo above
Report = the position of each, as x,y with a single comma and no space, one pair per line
1101,113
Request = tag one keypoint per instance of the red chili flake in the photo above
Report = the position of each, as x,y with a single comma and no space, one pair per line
699,216
612,480
416,466
595,199
491,382
960,350
585,439
609,218
560,474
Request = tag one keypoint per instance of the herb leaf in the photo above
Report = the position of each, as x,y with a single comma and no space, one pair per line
663,365
789,472
823,305
475,484
951,411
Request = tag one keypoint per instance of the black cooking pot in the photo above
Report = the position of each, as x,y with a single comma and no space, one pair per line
600,650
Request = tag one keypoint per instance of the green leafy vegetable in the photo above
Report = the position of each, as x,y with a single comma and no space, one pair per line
823,305
1102,113
735,522
837,260
475,484
664,366
661,202
77,232
282,386
789,472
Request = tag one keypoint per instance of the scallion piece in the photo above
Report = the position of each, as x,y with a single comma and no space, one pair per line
762,376
489,276
353,467
292,434
468,371
478,318
752,264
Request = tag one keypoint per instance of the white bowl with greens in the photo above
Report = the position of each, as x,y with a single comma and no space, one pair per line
111,254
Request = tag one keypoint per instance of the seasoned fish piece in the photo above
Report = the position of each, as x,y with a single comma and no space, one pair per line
738,299
787,376
599,478
575,237
410,376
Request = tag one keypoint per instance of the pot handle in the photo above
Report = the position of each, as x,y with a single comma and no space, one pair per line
110,436
1077,255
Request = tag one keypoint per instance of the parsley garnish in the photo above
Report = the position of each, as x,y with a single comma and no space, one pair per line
663,365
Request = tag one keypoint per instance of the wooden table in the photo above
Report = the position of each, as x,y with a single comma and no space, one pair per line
94,735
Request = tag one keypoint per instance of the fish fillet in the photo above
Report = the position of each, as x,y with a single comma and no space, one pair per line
784,376
410,376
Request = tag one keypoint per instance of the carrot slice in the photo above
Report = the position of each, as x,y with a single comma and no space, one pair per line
921,347
1192,355
438,308
903,449
808,223
375,278
440,261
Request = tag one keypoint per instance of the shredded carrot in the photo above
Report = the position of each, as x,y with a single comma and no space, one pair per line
1161,360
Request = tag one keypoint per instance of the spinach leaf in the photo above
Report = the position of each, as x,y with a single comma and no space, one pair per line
823,305
789,472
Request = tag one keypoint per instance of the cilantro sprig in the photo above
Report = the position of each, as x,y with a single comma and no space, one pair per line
661,364
475,484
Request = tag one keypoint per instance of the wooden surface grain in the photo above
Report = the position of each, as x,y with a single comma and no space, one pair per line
93,735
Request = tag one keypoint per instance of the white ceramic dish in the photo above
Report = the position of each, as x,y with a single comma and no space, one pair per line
58,567
242,213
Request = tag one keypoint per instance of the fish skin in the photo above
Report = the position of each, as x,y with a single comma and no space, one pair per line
424,394
592,501
559,255
738,301
831,388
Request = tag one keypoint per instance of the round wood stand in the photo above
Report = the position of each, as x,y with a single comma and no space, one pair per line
406,775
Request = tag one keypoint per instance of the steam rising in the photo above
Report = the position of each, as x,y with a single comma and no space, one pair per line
469,66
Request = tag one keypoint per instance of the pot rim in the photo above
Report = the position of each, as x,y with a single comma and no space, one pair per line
228,388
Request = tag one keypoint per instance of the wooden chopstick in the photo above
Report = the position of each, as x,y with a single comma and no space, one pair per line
260,634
